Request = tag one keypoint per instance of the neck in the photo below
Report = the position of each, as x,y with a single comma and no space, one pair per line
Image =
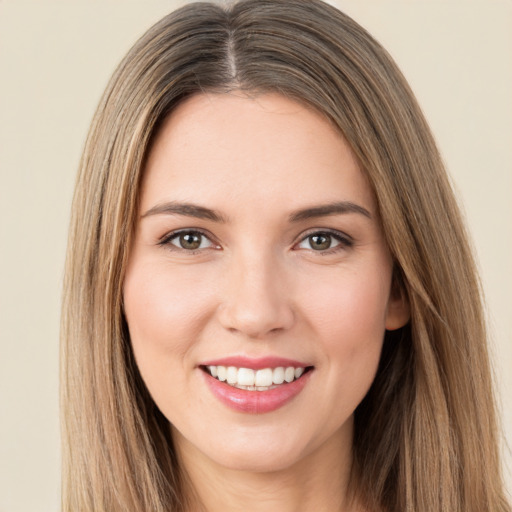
318,481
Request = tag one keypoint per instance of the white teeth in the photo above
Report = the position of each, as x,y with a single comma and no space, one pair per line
254,388
278,375
263,377
232,375
221,373
255,380
246,377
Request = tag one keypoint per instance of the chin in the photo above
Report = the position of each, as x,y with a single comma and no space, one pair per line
256,461
262,450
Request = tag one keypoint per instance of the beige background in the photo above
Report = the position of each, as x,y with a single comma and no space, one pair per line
55,59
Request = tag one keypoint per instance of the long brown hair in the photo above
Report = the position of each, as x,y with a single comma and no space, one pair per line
425,435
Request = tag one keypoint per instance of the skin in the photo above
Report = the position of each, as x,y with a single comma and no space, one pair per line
258,286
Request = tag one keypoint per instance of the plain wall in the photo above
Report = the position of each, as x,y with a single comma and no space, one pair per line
55,60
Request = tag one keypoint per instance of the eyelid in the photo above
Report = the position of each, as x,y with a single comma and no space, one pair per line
165,240
345,241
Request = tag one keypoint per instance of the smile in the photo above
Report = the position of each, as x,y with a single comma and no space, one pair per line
255,386
255,380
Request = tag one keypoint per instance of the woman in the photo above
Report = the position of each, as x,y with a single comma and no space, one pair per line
270,301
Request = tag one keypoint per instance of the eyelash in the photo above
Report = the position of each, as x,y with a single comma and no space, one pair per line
167,239
344,241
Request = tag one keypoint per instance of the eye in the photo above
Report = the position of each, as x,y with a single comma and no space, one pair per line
188,240
323,241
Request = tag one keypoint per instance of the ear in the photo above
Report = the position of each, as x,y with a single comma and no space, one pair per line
398,311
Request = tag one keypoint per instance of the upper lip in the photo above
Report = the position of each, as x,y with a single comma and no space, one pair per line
255,363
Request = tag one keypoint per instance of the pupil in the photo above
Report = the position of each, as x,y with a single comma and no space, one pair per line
320,242
190,241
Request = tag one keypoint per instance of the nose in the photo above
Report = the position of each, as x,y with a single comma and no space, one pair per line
256,300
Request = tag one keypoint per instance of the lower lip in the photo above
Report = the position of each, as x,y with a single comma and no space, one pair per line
256,402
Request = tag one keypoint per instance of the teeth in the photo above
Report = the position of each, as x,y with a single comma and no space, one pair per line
278,375
245,377
232,375
263,377
255,380
221,373
289,374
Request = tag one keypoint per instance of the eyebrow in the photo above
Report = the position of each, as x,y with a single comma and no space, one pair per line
201,212
340,207
186,209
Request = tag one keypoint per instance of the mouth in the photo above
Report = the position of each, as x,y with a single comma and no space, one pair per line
255,385
263,379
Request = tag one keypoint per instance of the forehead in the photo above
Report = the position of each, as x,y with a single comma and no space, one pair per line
268,148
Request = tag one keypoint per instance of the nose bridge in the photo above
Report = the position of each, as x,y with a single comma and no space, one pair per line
256,301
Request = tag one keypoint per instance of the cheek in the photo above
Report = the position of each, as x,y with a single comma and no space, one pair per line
349,306
348,315
165,312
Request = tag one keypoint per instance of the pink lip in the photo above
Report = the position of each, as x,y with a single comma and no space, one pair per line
255,363
255,402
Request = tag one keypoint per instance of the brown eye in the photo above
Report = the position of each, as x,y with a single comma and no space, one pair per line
320,241
325,241
188,241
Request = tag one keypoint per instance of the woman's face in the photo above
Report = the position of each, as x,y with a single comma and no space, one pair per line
258,259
